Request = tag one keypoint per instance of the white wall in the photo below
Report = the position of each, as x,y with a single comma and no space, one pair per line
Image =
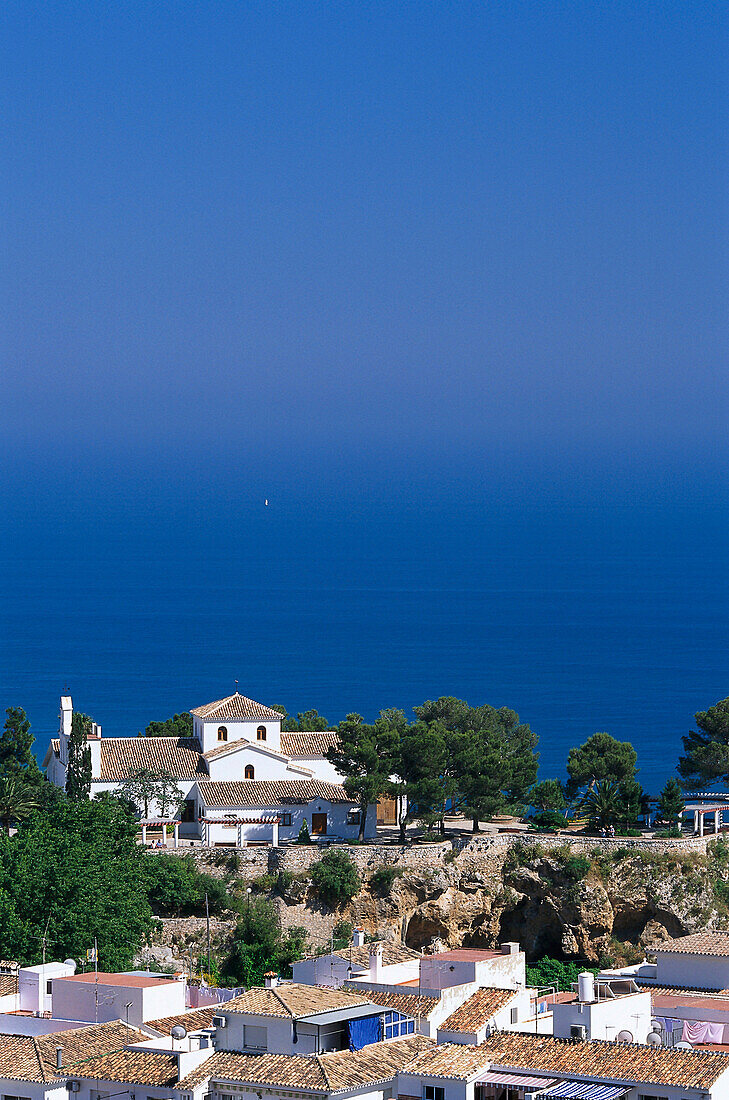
76,1001
230,768
32,986
334,970
321,767
694,971
501,971
605,1018
206,732
336,820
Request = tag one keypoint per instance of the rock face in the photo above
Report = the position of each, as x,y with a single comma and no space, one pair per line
588,900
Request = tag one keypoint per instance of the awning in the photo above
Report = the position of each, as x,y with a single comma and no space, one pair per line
515,1080
585,1090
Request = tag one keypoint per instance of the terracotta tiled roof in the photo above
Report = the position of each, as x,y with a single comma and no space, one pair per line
619,1062
138,1067
8,984
191,1021
308,744
391,953
337,1071
275,792
33,1058
680,990
178,755
700,943
474,1013
292,1000
236,707
409,1004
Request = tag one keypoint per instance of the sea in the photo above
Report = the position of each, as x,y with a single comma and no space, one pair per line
580,612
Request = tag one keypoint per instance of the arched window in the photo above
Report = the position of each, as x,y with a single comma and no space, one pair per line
261,733
249,772
222,733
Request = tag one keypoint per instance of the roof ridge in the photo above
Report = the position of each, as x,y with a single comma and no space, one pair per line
323,1071
41,1064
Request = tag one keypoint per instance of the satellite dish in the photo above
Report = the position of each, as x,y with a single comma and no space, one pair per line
178,1032
683,1045
654,1039
656,1025
625,1036
70,962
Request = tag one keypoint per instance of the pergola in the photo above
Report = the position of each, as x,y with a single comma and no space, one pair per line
700,809
162,823
231,819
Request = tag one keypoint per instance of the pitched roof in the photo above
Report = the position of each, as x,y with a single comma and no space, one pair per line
619,1062
334,1072
191,1021
409,1004
8,984
178,755
476,1012
308,744
258,746
138,1067
236,706
360,956
292,1000
712,942
252,792
33,1058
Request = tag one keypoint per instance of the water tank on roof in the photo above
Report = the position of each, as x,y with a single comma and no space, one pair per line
586,988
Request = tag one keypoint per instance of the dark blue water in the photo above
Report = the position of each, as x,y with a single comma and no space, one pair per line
582,615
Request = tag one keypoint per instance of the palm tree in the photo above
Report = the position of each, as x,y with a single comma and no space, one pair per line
17,802
602,803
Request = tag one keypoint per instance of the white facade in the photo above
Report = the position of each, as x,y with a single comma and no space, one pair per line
505,969
149,998
605,1018
35,986
692,971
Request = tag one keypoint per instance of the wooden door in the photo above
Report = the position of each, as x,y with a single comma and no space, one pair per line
318,824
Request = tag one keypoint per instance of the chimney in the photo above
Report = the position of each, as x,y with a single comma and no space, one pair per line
375,961
509,948
59,1058
358,937
271,979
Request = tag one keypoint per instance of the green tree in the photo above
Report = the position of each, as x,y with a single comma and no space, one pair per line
671,801
78,771
18,801
706,748
80,870
491,756
548,972
16,749
179,725
602,803
424,780
366,755
600,757
548,795
308,721
146,787
259,946
633,801
335,877
176,888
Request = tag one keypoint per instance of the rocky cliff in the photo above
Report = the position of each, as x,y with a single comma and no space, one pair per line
601,902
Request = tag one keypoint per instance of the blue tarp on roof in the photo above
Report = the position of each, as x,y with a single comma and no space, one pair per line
364,1031
585,1090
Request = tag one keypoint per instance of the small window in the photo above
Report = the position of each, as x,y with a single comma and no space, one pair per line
515,1015
261,733
49,988
433,1092
250,772
353,817
285,819
222,733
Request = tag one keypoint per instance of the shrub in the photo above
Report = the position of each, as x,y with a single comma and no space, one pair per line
176,888
303,837
335,878
383,878
548,819
264,883
576,867
555,972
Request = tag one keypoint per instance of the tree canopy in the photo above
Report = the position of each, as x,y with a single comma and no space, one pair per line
307,721
260,946
365,755
706,748
146,788
179,725
600,757
16,749
78,771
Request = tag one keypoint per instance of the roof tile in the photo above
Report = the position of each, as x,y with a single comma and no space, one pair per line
252,792
178,755
236,706
476,1012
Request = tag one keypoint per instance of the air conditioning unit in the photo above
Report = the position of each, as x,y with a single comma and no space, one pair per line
73,1086
578,1031
219,1021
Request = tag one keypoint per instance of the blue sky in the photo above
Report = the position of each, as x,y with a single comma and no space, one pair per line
297,238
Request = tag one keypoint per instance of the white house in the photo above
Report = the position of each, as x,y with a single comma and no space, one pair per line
486,1010
381,962
241,779
136,997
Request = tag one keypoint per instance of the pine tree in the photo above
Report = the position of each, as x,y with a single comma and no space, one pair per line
671,801
16,748
78,772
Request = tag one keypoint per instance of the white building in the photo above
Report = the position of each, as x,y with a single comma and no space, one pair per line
485,1011
240,778
136,997
381,962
